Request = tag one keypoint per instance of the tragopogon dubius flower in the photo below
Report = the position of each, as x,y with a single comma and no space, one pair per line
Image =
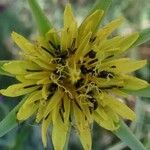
73,78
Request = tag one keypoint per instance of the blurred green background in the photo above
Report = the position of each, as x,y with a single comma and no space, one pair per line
15,15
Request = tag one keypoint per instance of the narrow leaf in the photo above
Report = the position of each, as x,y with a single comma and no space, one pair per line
128,137
10,121
145,92
2,72
101,4
41,20
144,36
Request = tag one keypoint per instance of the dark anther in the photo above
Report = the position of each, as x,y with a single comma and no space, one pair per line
62,105
61,61
79,83
40,88
94,102
52,87
90,109
29,86
109,56
49,96
72,49
47,116
61,115
92,39
56,72
47,51
77,104
54,46
30,70
83,69
90,93
63,54
91,54
105,74
113,67
110,87
93,61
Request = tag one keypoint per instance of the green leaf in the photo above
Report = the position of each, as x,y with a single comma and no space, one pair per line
10,121
41,20
144,36
145,92
101,4
2,72
125,134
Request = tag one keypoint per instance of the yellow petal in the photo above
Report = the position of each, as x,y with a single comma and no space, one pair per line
83,47
54,101
26,111
123,65
45,125
106,123
134,83
60,127
90,23
69,33
19,89
127,41
41,110
19,67
83,128
23,43
120,108
108,29
52,36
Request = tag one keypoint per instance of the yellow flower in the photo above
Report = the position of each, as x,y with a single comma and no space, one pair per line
74,77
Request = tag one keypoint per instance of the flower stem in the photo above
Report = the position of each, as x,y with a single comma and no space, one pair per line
125,134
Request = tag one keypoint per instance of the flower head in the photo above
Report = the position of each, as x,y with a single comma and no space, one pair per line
73,78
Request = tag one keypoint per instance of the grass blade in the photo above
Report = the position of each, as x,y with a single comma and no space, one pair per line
128,137
41,20
10,122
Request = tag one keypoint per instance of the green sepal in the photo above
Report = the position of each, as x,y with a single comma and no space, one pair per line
101,4
2,72
41,20
125,134
145,92
10,121
144,36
